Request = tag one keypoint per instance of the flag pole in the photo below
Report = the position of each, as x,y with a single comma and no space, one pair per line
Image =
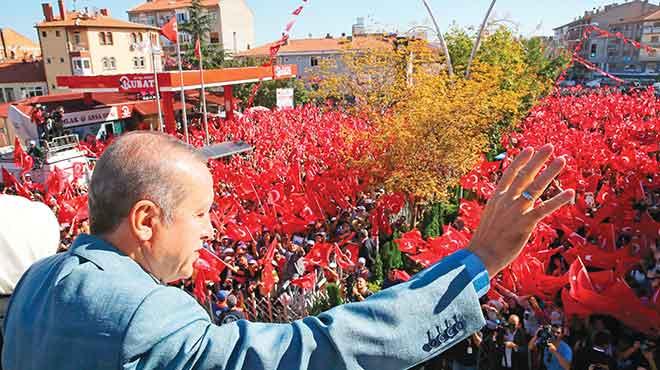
183,93
153,63
201,75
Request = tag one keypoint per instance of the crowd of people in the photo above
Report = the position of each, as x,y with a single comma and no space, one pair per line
524,331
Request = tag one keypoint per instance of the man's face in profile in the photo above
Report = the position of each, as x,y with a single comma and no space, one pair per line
176,244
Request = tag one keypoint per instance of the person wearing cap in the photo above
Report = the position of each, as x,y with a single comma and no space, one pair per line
220,305
20,246
105,303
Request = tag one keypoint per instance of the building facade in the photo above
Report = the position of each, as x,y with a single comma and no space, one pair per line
93,43
20,80
611,54
232,21
14,46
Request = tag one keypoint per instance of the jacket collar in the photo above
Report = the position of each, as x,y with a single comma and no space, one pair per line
106,256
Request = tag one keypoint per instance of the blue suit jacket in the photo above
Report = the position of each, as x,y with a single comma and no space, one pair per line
95,308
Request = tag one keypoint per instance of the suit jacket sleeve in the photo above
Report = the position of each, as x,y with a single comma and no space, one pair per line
394,329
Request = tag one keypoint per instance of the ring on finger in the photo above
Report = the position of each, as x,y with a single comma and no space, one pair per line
527,195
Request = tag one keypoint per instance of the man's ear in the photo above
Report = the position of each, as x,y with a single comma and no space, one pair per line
142,219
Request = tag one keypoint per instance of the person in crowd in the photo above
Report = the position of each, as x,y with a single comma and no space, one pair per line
360,290
515,345
556,354
233,312
38,118
465,355
596,357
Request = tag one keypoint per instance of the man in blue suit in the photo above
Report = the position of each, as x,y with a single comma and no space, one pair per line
104,305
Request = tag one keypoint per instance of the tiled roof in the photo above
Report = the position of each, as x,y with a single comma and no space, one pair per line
16,72
318,45
75,19
160,5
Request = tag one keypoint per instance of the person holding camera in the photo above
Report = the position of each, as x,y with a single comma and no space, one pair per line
557,354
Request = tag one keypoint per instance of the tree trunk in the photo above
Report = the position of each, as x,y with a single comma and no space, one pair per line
477,43
443,45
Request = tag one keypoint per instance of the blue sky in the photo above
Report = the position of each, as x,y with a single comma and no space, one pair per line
536,17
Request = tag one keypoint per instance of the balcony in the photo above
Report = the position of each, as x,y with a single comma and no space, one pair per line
78,50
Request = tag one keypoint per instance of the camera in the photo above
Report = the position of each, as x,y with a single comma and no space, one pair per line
544,336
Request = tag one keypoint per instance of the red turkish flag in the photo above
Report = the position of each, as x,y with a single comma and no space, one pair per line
402,275
170,30
306,282
411,242
198,49
267,262
319,254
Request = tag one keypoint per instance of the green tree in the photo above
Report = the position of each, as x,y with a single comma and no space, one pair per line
391,255
199,23
434,220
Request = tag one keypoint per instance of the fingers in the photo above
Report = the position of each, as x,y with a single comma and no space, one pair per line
528,173
538,186
545,209
513,169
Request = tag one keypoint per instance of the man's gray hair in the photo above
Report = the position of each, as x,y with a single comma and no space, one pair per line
137,166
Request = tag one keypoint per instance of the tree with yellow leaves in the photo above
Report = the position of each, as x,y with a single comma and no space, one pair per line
432,127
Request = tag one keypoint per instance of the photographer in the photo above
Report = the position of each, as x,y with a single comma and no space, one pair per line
557,355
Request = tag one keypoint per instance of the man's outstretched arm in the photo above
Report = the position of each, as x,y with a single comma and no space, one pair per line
394,329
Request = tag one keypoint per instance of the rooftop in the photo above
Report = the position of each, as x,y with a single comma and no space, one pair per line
319,45
160,5
19,71
78,19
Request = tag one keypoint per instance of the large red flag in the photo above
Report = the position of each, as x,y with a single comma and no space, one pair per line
170,30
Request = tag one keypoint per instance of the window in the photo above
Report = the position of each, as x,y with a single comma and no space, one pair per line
654,39
140,38
44,33
215,37
30,92
48,60
656,24
314,61
108,38
86,63
102,38
138,62
76,38
181,18
57,33
133,37
77,64
61,60
594,49
113,63
9,94
106,64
